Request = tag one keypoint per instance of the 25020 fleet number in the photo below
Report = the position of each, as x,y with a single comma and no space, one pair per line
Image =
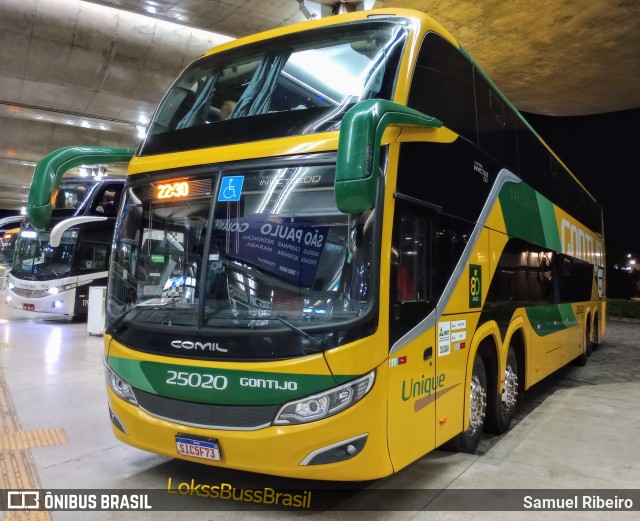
202,381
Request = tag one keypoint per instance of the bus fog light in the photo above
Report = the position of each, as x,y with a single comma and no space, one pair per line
325,404
119,386
58,304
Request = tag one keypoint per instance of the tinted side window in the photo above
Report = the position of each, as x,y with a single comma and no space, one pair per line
411,265
443,86
540,169
574,279
450,237
445,175
496,125
107,200
527,274
524,275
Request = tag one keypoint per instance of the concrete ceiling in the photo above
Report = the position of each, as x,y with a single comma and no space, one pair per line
83,72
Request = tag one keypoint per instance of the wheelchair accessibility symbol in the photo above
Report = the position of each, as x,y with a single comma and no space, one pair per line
231,188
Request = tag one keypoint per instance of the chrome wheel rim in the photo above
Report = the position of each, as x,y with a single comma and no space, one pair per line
478,402
510,392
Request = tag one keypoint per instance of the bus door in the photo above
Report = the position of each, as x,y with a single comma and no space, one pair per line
91,261
412,360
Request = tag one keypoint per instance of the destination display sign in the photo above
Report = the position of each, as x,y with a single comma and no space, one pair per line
288,248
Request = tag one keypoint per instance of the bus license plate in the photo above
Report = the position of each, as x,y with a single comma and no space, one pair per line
29,307
198,448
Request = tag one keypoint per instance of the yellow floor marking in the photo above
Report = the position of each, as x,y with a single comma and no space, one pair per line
17,468
27,516
25,440
4,405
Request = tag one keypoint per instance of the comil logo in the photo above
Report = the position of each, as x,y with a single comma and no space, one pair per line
198,346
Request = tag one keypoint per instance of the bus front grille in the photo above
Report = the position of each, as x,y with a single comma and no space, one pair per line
229,417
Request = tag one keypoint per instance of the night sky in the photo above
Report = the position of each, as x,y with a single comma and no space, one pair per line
602,151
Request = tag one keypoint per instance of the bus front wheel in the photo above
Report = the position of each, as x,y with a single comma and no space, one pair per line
467,441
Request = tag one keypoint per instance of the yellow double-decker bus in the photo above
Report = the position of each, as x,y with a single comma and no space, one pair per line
339,248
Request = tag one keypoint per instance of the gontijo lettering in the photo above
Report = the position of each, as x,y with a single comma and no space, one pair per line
580,243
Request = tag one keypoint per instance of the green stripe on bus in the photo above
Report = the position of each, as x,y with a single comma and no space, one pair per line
220,386
540,226
549,223
516,200
552,318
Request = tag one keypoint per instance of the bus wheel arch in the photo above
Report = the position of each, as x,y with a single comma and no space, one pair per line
501,405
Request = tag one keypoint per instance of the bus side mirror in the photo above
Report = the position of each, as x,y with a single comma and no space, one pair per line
359,149
50,169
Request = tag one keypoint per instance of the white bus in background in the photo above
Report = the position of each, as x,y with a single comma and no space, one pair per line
53,269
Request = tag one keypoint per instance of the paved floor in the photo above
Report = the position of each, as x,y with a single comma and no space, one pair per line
577,430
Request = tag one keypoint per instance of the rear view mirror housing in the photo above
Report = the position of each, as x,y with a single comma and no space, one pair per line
361,132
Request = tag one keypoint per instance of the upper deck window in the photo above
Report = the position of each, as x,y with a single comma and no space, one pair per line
296,84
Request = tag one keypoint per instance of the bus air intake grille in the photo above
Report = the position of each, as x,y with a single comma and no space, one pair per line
230,417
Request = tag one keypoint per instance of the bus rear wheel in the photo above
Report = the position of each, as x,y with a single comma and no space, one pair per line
467,441
587,348
501,406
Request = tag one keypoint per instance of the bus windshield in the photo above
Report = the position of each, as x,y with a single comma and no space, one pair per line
255,249
72,193
294,85
8,246
34,257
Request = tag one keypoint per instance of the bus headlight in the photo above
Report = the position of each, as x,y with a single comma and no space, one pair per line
119,386
11,285
325,404
59,289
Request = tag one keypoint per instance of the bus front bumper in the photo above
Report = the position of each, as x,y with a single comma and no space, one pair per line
349,446
62,303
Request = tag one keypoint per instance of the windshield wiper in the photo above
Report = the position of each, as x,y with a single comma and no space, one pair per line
116,321
316,341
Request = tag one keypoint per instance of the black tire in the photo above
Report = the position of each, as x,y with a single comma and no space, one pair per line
589,347
595,341
467,441
501,406
581,360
